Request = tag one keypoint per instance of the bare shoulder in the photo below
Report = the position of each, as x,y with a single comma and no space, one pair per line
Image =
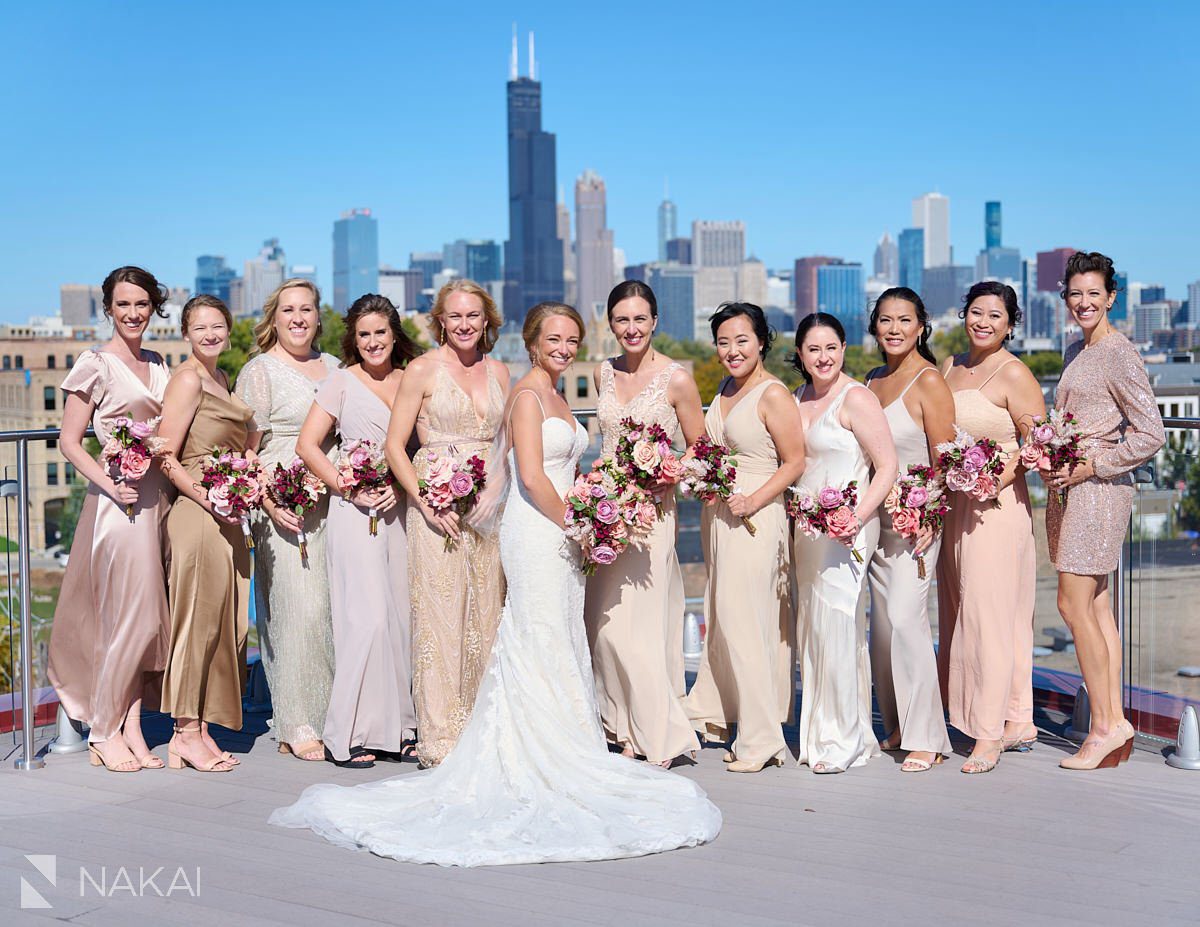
1016,376
499,370
861,400
777,396
931,385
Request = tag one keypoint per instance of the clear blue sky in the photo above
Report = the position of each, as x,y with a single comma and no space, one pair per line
155,132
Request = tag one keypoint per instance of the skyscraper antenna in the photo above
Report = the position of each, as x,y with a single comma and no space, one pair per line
532,61
512,64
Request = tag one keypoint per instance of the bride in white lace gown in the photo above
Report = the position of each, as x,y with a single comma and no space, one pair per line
531,778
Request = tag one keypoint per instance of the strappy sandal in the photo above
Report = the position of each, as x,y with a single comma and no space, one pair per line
150,761
176,760
312,751
355,760
125,766
975,765
913,764
826,769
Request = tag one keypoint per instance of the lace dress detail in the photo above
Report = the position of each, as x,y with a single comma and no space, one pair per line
456,594
530,779
649,406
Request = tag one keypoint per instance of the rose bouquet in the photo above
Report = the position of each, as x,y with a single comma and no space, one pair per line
971,466
828,511
361,465
711,473
233,486
644,453
452,486
128,452
606,511
1054,442
915,501
296,488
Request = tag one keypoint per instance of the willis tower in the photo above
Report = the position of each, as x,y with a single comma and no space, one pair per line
533,254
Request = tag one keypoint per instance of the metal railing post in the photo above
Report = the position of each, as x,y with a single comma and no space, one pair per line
28,758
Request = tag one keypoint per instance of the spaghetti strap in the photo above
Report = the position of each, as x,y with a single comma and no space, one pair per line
536,398
1011,360
913,381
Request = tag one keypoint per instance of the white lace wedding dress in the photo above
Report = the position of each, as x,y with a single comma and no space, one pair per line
531,778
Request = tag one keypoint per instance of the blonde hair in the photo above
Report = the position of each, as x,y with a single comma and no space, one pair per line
536,317
491,331
265,335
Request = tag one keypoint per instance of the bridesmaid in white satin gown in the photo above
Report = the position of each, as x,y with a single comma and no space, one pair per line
531,778
845,434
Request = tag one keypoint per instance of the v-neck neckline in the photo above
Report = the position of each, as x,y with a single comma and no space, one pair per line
721,395
300,374
645,389
148,387
480,421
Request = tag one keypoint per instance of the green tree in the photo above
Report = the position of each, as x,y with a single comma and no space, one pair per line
241,343
1044,363
953,341
333,327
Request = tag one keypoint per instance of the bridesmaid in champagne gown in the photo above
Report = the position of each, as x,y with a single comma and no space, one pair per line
453,399
634,608
209,580
291,595
370,706
108,643
845,435
987,566
746,671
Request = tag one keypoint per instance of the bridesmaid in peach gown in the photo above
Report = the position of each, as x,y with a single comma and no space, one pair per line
453,399
634,608
987,565
746,672
1104,384
108,644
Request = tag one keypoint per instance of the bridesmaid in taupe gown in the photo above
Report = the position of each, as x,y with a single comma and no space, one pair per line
453,398
209,580
987,566
108,644
634,608
1104,384
920,414
746,672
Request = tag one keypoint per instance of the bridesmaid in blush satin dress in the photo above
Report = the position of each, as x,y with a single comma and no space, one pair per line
209,579
746,674
1104,384
920,414
846,436
987,567
108,644
634,608
370,707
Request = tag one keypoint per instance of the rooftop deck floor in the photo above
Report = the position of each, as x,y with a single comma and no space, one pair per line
1027,843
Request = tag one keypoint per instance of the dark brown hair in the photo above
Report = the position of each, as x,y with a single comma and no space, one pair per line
404,348
908,296
1090,262
138,277
628,289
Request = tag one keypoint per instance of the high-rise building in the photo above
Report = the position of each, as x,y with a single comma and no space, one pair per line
533,254
476,260
912,258
999,264
931,213
991,225
1028,281
562,224
679,250
943,288
402,287
355,257
840,292
1043,315
213,276
715,285
674,288
1051,266
1120,308
304,272
261,275
718,244
804,281
1193,305
752,282
887,259
237,292
1151,317
429,263
80,303
593,246
667,221
1152,293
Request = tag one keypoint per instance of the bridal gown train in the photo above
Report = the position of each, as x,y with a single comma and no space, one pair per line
531,778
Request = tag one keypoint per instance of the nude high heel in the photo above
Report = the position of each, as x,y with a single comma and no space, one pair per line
750,766
177,761
1105,755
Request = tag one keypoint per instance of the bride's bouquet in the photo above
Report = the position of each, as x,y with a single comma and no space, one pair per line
128,452
1054,442
297,489
644,453
829,512
361,465
233,486
972,467
606,512
711,473
452,485
915,501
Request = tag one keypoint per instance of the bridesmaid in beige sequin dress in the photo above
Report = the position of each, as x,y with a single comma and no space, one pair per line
1104,384
453,398
108,643
295,632
634,608
746,674
987,567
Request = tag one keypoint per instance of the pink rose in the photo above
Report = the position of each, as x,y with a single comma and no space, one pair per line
906,522
607,512
360,458
917,497
646,515
134,464
461,485
598,491
646,457
618,531
961,480
219,498
603,554
829,498
672,469
141,430
440,471
1031,454
1044,433
892,501
985,486
805,501
842,524
225,458
439,496
112,449
975,458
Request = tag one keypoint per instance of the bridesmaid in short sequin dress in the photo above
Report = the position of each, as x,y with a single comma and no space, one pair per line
1104,384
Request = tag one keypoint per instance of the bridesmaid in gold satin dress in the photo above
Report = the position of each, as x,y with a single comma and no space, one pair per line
1104,384
987,566
453,398
108,644
634,608
746,674
209,581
